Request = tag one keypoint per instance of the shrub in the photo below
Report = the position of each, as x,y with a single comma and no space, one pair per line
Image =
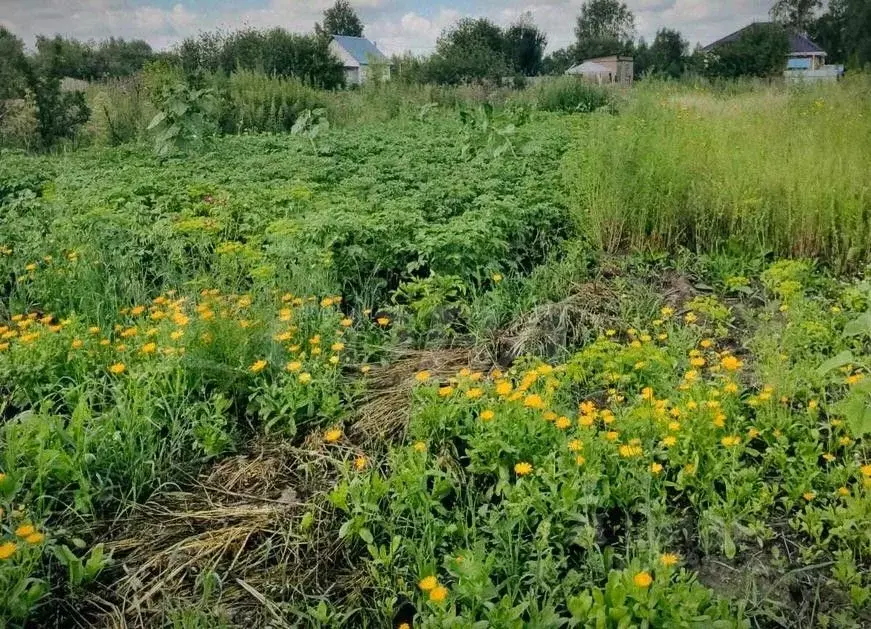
570,94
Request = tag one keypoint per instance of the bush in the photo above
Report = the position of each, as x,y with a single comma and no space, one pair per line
570,94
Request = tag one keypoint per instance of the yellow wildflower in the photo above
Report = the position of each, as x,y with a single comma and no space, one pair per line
523,468
7,549
118,368
642,579
428,584
487,415
438,594
258,366
332,435
669,559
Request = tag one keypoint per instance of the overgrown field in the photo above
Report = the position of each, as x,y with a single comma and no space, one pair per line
497,368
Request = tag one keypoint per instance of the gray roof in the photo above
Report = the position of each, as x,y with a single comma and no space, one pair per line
360,48
799,43
588,67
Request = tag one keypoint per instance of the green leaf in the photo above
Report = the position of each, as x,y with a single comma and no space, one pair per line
857,412
160,117
841,360
859,326
366,535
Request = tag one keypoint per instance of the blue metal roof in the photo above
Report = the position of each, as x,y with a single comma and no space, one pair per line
360,48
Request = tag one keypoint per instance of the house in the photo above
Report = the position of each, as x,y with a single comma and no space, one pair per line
611,69
804,61
360,59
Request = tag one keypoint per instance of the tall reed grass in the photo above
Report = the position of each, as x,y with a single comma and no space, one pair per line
772,169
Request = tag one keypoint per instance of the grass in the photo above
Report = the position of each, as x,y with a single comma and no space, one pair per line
767,171
427,370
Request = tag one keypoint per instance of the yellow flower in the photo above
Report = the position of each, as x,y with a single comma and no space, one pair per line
588,407
403,625
549,416
612,435
149,348
474,393
563,423
305,377
497,277
523,468
446,391
647,393
533,401
667,312
669,559
586,421
383,321
487,415
730,441
843,491
360,463
315,340
293,366
7,549
438,594
365,368
334,360
176,335
752,433
137,310
655,468
697,362
690,317
642,579
258,366
118,368
419,446
422,376
332,435
866,471
503,388
346,322
730,363
809,495
576,445
35,538
628,451
669,441
427,584
706,343
77,344
580,460
829,457
730,387
24,530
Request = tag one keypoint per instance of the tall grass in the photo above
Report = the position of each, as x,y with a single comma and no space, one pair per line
770,169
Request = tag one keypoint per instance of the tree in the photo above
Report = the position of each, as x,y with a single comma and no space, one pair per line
844,32
668,53
471,50
558,61
605,27
524,46
341,19
12,59
760,51
799,14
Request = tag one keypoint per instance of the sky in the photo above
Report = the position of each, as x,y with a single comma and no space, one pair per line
395,25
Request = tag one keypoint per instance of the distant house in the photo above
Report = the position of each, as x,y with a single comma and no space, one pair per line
611,69
805,59
359,57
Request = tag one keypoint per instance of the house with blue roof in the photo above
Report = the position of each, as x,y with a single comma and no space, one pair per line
360,58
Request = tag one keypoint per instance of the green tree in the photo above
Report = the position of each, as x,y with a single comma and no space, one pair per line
341,19
760,51
799,14
668,53
844,32
558,61
524,46
604,27
12,60
471,50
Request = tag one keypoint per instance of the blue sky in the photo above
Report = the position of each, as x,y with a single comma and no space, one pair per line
395,25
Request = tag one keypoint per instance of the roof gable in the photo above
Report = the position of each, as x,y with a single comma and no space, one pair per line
799,43
360,48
